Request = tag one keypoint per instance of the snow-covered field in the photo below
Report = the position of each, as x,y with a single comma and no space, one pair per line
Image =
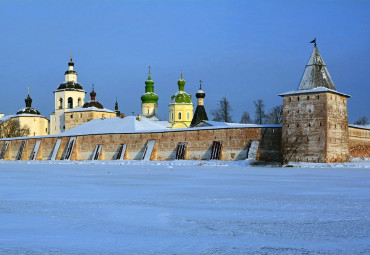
192,207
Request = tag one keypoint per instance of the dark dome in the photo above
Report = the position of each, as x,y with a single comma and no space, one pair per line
70,86
93,104
200,94
28,110
70,71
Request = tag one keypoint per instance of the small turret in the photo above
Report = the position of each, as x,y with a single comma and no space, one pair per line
93,102
200,112
28,109
149,100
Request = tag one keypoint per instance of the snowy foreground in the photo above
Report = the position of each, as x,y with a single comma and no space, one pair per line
192,207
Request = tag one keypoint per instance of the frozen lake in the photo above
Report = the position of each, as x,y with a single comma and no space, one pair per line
183,208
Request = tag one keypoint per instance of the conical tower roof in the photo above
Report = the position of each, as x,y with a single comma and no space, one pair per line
316,74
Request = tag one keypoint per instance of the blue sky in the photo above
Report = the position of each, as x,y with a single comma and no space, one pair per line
243,50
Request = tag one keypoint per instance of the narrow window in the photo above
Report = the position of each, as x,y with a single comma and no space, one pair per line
70,102
308,97
188,115
71,116
297,98
79,101
179,116
80,115
60,103
317,96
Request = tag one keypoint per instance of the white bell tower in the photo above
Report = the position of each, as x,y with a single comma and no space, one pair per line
68,95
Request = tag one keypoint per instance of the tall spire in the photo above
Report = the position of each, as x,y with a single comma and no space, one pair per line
316,74
118,113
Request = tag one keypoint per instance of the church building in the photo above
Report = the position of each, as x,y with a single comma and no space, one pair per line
26,118
181,107
68,95
90,110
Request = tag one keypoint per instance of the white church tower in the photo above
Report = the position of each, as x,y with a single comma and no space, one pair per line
68,95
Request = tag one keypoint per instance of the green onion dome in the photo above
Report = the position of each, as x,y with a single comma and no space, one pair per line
149,96
181,96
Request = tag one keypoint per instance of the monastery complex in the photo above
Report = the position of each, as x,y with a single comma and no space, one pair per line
314,127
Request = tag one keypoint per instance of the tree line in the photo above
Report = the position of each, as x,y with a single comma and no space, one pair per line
224,109
274,116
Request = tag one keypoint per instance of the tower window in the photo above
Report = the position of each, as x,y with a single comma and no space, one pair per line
79,101
188,115
60,103
308,97
317,96
297,98
179,116
172,116
70,102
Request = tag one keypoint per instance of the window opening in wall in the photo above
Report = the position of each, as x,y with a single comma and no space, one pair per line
20,151
188,115
297,98
71,116
60,103
34,133
216,150
4,149
179,116
35,150
55,149
289,99
308,97
172,116
181,150
79,101
148,150
97,152
70,102
80,115
320,124
317,96
121,152
70,146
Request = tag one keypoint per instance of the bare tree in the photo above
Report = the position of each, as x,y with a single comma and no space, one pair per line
246,118
12,128
260,115
361,121
223,113
275,115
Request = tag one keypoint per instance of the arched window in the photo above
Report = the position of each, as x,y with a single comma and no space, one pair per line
60,103
79,101
70,102
179,116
